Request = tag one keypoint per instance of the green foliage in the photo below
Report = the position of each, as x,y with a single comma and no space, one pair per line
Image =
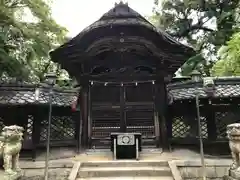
27,34
204,24
190,65
229,63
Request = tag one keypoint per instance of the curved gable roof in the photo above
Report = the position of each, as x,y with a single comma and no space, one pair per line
122,16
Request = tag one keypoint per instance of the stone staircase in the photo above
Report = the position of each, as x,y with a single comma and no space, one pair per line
129,170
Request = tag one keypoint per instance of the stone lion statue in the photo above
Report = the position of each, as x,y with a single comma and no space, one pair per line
10,146
233,133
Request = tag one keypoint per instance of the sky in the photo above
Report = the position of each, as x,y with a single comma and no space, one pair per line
75,15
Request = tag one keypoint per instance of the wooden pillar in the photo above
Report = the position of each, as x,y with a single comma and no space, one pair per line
37,119
89,108
84,114
169,121
156,117
211,123
161,106
77,119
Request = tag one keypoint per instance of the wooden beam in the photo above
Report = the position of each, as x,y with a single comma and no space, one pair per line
216,101
122,109
118,78
156,118
77,119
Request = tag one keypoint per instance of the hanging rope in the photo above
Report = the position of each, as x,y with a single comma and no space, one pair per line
121,83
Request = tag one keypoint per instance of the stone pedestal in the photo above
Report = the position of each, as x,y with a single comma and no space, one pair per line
4,176
233,175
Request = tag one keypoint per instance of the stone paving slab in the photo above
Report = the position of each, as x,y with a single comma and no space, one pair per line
125,172
106,154
146,154
129,178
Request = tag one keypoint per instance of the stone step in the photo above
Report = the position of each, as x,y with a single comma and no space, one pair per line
129,178
127,163
88,172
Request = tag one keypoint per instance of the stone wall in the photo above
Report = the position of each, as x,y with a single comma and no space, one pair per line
215,169
54,174
58,170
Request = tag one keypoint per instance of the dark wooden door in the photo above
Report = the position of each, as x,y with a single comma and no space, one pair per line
139,109
116,108
105,114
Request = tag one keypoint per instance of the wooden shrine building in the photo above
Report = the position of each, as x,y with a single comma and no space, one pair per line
122,63
124,67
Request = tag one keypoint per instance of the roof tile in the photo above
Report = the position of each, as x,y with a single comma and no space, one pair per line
224,88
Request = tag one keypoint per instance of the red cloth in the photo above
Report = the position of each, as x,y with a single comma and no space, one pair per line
74,106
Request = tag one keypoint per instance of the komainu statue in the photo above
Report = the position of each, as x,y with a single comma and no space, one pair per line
233,133
10,146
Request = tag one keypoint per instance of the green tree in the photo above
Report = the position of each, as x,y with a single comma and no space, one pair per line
205,25
27,34
229,63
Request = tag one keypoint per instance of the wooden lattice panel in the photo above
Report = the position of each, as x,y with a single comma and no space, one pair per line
183,127
179,128
223,119
62,128
204,128
29,128
43,132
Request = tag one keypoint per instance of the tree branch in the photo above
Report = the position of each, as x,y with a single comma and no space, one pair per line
190,29
41,74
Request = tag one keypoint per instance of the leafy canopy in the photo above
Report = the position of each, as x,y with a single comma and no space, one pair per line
27,34
229,63
204,24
